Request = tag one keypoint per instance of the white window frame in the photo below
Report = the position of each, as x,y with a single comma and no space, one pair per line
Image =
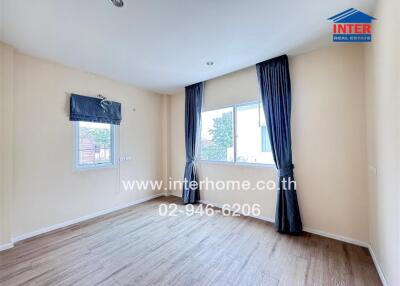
234,162
114,155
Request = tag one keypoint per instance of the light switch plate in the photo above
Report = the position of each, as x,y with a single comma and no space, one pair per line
372,169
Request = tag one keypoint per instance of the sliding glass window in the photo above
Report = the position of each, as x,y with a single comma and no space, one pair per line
236,134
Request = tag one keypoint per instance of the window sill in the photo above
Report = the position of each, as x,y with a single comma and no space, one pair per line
95,167
238,164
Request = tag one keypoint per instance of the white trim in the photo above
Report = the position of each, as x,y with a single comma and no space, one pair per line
239,164
324,234
306,229
201,161
95,167
377,266
6,246
255,165
81,219
336,237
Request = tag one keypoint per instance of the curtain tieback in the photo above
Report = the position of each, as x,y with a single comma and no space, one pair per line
286,171
190,161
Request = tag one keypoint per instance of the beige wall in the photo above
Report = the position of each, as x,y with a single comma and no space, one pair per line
383,121
329,148
47,191
39,188
6,140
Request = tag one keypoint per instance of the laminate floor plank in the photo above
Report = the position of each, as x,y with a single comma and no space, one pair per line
138,246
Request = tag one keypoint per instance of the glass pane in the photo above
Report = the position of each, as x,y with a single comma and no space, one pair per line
94,143
252,140
217,135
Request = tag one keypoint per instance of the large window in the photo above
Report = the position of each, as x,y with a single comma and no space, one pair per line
236,134
94,145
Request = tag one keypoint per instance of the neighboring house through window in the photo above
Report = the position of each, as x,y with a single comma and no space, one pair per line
94,145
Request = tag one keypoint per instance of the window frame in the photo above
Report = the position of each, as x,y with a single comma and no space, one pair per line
234,130
113,148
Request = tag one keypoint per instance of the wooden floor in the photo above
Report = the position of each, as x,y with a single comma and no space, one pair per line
137,246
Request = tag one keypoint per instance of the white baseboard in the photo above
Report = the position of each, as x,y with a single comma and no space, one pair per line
81,219
336,237
328,235
264,218
377,266
306,229
6,246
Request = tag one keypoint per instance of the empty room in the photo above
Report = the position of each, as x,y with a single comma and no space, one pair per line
199,142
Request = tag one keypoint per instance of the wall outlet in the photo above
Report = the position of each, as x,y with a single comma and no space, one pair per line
125,158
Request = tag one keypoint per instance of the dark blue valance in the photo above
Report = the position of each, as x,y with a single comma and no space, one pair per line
85,108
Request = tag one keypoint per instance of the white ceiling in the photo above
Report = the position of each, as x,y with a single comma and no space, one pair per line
163,45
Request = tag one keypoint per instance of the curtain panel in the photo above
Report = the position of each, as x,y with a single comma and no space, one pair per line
193,103
274,80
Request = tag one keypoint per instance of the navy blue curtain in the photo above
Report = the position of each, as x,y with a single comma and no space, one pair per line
193,103
85,108
274,80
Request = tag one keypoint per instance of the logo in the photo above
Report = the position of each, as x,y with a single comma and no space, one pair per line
352,26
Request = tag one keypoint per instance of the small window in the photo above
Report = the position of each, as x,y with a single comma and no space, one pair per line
94,145
252,139
217,135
